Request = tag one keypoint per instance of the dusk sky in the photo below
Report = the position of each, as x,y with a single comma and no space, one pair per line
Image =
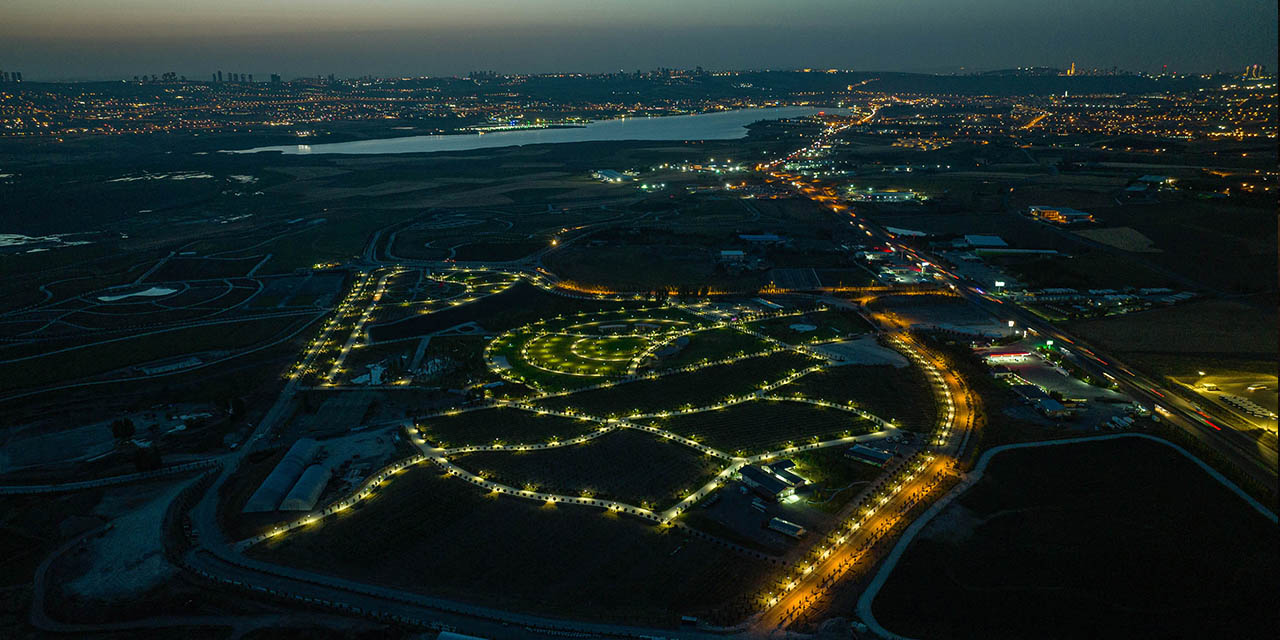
79,39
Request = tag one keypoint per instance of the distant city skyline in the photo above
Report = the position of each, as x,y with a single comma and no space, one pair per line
67,40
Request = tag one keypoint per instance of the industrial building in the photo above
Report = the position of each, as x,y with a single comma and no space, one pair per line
783,470
883,196
1036,397
863,453
789,528
609,175
766,483
1006,356
1059,215
282,477
306,492
762,238
981,241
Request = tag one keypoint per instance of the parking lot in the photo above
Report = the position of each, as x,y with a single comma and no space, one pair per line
1091,405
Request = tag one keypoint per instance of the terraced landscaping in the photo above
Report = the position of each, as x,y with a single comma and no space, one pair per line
641,410
587,348
709,345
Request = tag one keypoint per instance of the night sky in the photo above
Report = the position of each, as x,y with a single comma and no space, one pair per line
92,39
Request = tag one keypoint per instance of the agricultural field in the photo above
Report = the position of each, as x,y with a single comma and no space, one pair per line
179,269
508,426
315,289
136,307
1089,540
493,551
102,357
1234,243
497,251
900,395
1084,269
627,465
334,238
1244,327
698,388
758,426
667,266
1231,343
518,304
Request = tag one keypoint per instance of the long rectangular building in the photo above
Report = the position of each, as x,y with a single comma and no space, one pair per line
1059,215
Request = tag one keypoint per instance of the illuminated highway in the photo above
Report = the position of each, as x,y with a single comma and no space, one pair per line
1256,458
853,545
1244,451
853,550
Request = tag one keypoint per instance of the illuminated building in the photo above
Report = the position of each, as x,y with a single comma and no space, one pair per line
1059,215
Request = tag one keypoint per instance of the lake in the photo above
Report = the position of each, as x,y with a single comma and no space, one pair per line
724,125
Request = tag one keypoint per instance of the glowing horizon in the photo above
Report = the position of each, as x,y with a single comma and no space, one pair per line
52,39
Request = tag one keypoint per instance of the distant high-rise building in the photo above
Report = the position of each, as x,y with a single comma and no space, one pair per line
275,78
251,78
1071,71
219,75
